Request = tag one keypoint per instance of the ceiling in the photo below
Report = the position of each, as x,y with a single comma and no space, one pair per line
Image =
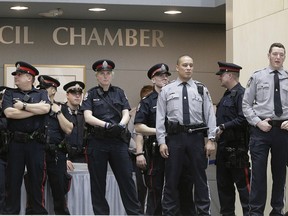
136,12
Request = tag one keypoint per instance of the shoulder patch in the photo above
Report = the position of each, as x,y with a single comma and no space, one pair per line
138,107
249,82
85,96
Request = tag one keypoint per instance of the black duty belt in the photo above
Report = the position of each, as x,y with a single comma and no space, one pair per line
175,127
276,123
22,137
192,128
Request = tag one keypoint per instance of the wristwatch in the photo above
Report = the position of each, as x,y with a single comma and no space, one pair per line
24,106
212,139
59,112
222,127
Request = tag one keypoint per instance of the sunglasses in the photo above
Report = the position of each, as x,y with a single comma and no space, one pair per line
75,91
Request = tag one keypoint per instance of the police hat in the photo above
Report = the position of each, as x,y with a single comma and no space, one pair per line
24,67
158,69
47,81
228,67
103,64
74,85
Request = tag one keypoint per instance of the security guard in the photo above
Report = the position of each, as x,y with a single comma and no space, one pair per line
106,111
265,107
148,157
58,125
74,141
3,151
25,108
180,130
232,158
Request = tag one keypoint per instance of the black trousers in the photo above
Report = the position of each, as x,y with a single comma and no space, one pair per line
31,154
226,179
58,181
114,151
261,143
192,146
3,165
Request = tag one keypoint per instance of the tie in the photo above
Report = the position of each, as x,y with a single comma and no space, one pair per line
186,116
277,100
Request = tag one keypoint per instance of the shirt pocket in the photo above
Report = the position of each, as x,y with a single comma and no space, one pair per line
263,92
99,107
196,104
173,101
118,104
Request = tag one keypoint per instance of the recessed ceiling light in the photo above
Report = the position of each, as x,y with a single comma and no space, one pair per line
19,8
173,12
97,9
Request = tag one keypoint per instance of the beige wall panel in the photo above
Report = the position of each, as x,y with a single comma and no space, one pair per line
285,4
245,11
251,42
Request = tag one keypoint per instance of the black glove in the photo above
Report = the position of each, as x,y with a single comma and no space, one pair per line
115,130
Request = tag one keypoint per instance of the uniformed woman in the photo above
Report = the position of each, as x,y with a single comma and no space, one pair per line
106,111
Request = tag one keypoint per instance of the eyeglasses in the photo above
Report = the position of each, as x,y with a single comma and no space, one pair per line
75,91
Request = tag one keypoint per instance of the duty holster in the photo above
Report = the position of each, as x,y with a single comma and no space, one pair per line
5,137
236,148
53,148
151,147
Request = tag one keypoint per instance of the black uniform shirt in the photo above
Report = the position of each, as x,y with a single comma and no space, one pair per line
75,139
55,132
30,124
146,112
98,102
3,127
229,110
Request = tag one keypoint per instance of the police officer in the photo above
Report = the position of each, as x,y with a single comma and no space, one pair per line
265,107
74,141
25,108
232,158
137,140
58,125
3,151
183,135
145,124
106,111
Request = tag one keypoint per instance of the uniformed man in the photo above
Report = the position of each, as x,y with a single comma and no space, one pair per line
3,151
74,141
106,111
180,131
59,124
25,108
265,107
148,157
232,160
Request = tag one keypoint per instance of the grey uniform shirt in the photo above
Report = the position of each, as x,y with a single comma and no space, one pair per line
258,100
169,104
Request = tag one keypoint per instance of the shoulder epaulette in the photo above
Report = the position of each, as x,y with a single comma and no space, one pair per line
258,71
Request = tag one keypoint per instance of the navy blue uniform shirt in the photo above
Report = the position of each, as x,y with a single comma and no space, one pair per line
100,108
229,109
55,132
75,139
146,112
30,124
